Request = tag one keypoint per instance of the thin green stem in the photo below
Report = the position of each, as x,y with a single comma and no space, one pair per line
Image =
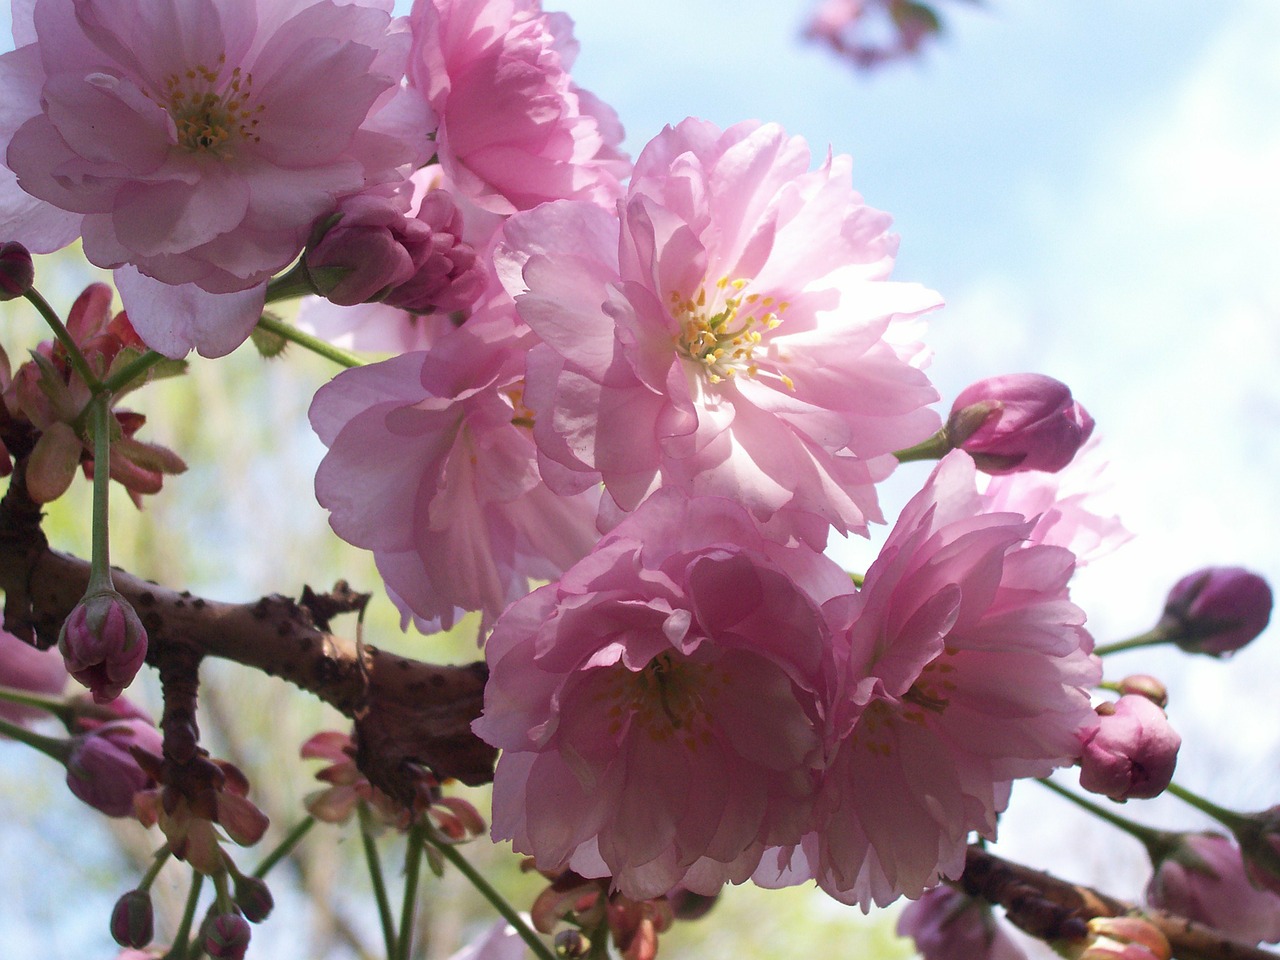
159,859
54,705
100,567
1232,821
285,847
291,333
64,337
179,949
412,868
1151,638
935,448
127,373
1157,842
486,890
375,877
59,750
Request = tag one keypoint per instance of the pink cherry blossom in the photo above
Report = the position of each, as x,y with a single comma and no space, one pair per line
193,143
432,467
1204,879
966,666
733,334
659,708
514,129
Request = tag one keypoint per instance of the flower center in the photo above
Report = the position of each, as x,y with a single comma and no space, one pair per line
663,700
720,332
521,415
211,114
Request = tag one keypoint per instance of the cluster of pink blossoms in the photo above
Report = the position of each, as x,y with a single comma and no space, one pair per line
702,357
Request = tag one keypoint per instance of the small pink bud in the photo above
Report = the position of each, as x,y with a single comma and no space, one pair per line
1203,879
226,936
1018,422
103,644
947,924
1124,938
17,273
1217,610
132,920
102,769
1145,685
1132,751
254,899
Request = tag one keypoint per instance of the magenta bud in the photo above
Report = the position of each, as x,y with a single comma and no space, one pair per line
1216,611
226,936
254,899
1016,422
103,644
1145,685
17,272
1203,879
132,920
1132,751
102,769
947,924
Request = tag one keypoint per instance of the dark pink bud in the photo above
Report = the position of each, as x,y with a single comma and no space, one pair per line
1016,422
1217,610
103,644
132,920
254,899
17,273
946,924
1204,879
226,936
102,769
1132,751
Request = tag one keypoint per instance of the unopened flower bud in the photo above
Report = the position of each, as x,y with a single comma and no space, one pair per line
17,273
103,644
1203,879
1123,938
1018,422
253,898
1217,610
946,924
102,769
1259,837
133,920
226,936
1145,685
1132,751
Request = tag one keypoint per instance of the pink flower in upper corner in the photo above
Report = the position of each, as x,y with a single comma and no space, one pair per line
872,33
1131,753
1204,879
514,129
431,465
965,667
25,668
733,334
659,708
1064,505
193,143
1019,422
949,925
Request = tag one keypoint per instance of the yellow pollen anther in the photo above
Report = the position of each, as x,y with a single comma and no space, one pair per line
211,115
721,333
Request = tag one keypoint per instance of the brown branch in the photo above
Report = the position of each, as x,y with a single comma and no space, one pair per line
1052,909
408,714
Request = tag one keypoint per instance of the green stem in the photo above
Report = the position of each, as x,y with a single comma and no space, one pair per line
293,283
285,847
55,705
127,373
158,861
935,448
100,566
1151,638
375,877
291,333
1232,821
412,868
450,853
64,337
179,949
59,750
1158,842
